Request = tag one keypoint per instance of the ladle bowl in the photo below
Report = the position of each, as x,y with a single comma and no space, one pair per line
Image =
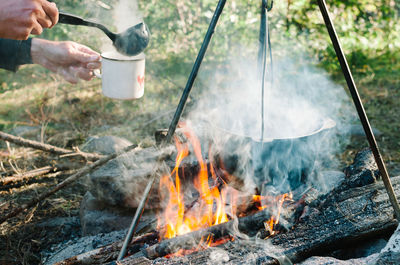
133,40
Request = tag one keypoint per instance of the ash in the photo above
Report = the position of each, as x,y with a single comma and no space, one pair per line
81,245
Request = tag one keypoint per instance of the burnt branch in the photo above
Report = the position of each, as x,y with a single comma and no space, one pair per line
189,241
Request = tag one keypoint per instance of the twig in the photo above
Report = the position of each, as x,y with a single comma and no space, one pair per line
47,147
30,174
2,167
82,172
30,215
13,167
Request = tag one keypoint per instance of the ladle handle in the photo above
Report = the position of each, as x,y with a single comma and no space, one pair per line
66,18
69,19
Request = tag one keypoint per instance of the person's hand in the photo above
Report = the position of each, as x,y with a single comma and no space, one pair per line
19,18
72,60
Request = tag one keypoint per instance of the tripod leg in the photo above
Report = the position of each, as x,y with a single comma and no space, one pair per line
195,70
360,108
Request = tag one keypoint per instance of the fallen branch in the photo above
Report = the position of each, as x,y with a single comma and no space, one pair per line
82,172
43,178
30,174
47,147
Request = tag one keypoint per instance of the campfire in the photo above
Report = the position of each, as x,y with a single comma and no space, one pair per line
204,215
215,201
211,220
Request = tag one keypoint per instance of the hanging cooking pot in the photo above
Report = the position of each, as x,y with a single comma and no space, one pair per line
282,163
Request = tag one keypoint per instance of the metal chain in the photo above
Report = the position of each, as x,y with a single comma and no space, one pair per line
264,41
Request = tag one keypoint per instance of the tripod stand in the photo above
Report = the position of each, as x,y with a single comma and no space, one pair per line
346,72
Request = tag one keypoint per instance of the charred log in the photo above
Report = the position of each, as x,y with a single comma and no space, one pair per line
189,241
346,217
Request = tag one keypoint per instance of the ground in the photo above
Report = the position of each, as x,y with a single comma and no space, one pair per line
38,105
22,238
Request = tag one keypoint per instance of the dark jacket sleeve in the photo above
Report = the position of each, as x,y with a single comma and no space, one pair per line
14,53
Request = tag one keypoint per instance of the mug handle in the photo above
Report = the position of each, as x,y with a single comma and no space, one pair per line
97,73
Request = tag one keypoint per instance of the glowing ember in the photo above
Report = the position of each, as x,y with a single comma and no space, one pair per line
275,203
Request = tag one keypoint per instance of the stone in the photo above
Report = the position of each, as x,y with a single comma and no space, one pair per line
121,181
390,254
332,261
104,144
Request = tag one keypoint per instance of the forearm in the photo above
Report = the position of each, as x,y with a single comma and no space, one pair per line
71,60
14,53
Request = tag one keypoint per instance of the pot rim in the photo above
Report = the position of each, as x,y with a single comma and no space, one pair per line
326,123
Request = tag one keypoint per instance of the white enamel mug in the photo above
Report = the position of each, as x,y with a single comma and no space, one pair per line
122,76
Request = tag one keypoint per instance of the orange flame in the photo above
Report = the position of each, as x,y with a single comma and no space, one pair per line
210,208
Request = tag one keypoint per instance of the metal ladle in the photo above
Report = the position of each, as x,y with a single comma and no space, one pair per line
129,42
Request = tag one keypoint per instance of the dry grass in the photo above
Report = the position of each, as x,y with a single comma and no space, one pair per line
21,239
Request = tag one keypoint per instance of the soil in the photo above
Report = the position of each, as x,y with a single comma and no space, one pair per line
54,220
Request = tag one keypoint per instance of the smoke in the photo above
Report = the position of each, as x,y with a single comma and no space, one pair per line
126,14
305,117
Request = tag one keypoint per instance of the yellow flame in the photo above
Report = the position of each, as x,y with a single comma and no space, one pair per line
211,210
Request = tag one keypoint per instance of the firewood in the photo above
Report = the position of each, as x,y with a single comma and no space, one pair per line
47,147
187,241
190,240
338,220
96,256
